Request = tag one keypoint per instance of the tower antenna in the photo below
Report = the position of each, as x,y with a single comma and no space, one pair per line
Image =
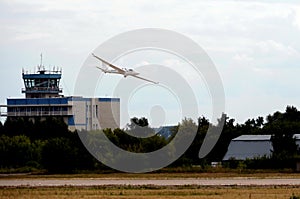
41,59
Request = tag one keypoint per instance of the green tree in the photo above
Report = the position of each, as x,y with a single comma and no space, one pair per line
59,155
17,151
139,127
229,132
282,127
259,122
129,139
50,128
1,128
187,127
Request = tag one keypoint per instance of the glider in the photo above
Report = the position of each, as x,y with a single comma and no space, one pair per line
116,70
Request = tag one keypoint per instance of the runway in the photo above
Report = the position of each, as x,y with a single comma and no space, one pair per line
156,182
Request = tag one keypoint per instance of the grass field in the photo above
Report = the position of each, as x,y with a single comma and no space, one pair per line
151,192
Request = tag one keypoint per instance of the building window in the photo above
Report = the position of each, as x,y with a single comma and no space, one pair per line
96,111
93,111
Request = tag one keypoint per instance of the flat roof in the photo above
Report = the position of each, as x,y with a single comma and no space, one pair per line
258,137
252,137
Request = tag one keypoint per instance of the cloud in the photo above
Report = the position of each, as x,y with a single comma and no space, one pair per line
296,21
242,57
270,46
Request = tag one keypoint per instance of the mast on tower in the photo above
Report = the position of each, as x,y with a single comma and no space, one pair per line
42,84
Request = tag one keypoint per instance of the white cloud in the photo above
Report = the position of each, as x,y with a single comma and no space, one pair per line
265,72
270,46
31,36
296,21
242,57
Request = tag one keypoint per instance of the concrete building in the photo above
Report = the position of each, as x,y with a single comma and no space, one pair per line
43,99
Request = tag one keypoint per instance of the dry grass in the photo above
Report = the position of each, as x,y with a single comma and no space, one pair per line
150,192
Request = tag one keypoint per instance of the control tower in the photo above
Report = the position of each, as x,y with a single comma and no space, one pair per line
43,99
43,84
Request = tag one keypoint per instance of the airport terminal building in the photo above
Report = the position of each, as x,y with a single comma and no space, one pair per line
43,99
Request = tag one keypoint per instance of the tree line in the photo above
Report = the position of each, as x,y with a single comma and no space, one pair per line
49,146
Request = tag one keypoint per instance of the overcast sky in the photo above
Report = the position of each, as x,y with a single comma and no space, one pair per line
255,45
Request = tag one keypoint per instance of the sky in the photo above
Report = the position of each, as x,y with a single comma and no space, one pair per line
254,45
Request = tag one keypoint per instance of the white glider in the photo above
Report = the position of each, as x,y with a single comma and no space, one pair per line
116,70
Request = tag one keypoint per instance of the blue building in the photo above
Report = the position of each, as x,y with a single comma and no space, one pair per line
43,99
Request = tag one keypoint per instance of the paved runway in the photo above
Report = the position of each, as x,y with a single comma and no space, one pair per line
156,182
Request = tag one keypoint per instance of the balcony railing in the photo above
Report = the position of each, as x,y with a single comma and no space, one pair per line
38,113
